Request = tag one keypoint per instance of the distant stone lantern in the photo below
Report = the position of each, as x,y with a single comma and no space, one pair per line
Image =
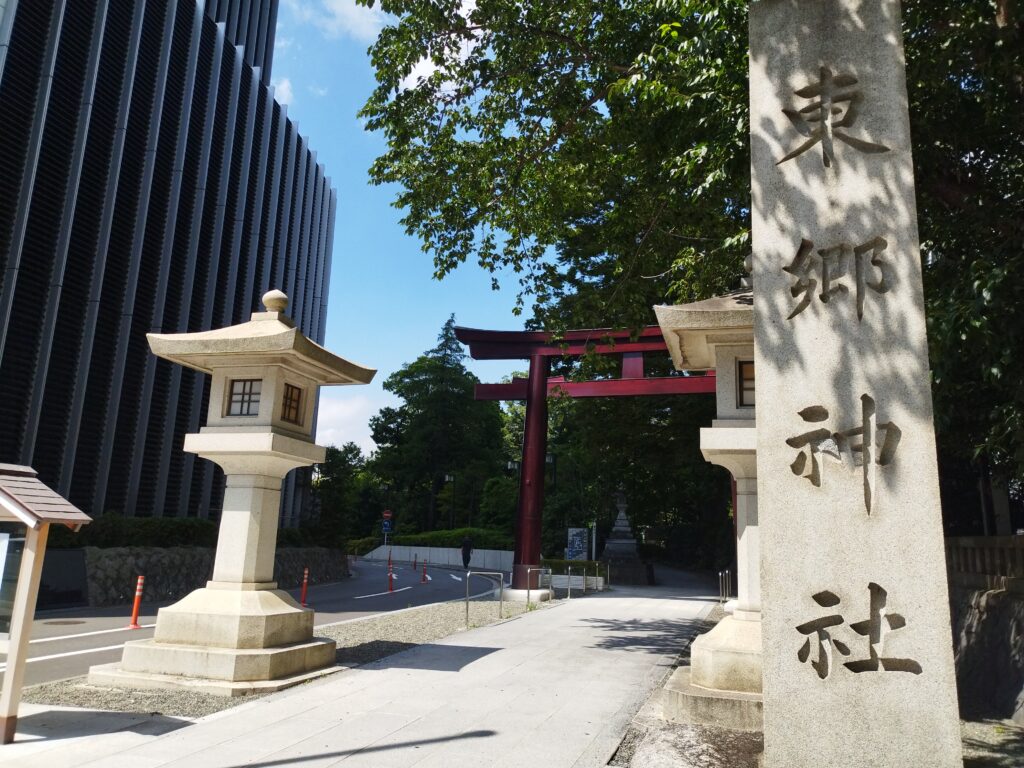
240,633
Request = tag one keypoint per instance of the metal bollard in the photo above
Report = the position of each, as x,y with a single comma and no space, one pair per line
568,584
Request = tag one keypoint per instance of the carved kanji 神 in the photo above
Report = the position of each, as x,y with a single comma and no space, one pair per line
876,446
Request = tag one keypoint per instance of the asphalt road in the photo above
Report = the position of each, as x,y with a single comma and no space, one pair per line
66,643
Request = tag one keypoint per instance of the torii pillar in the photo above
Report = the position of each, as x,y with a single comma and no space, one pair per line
531,480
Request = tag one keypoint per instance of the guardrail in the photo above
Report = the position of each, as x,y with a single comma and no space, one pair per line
986,556
501,591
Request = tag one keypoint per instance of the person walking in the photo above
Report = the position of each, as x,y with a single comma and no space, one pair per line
467,551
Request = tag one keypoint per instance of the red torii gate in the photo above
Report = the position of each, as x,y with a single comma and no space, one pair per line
539,347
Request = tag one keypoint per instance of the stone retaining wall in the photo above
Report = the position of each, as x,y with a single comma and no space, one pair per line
173,572
988,643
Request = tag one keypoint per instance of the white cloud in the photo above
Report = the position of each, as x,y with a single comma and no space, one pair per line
345,417
282,44
283,90
338,18
317,90
425,67
421,70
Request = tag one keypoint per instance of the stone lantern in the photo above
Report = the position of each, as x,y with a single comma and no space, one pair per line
723,683
240,633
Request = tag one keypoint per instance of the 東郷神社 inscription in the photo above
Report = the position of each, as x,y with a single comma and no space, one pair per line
858,668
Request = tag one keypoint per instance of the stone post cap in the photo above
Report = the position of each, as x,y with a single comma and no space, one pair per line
275,300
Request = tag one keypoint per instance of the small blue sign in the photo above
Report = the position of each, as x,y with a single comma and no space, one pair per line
385,526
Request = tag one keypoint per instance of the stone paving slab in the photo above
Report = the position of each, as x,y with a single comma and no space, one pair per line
550,688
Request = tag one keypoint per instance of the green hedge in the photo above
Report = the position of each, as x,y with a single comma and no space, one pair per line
560,567
117,531
483,538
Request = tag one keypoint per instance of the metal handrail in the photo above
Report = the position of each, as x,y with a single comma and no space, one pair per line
724,586
501,591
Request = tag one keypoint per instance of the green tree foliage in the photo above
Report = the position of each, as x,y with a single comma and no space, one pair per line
439,431
599,150
349,496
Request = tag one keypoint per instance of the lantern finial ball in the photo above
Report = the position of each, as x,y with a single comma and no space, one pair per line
275,301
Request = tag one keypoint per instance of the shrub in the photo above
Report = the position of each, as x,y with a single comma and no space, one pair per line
362,546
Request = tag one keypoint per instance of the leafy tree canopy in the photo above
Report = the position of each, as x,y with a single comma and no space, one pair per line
599,151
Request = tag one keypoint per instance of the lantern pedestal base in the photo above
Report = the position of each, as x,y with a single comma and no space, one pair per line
728,658
239,639
113,675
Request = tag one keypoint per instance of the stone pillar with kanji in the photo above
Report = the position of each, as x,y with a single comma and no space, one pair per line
857,651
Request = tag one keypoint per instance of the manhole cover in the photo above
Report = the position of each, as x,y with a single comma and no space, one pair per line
65,622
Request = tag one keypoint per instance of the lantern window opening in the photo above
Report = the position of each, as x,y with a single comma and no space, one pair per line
245,397
745,391
291,405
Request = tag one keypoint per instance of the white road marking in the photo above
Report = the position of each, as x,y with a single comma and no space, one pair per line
89,634
69,653
378,594
457,578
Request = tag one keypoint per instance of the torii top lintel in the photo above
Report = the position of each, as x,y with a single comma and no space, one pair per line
511,345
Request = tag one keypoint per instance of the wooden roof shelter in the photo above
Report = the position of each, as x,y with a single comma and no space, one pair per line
26,500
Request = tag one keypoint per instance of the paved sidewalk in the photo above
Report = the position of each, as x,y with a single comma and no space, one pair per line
551,688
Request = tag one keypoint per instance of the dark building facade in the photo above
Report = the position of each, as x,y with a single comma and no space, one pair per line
148,182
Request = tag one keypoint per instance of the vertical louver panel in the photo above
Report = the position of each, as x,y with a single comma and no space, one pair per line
91,402
108,368
24,84
47,427
23,353
141,453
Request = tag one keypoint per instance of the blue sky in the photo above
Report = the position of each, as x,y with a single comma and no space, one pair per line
385,307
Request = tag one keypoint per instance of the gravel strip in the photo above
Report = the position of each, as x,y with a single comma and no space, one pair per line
359,642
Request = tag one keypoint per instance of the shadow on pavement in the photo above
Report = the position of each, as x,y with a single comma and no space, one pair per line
441,658
647,636
341,754
68,724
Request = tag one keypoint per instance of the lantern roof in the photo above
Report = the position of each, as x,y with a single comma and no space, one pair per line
268,338
693,330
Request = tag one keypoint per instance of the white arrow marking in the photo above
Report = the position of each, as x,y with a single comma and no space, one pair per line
457,578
